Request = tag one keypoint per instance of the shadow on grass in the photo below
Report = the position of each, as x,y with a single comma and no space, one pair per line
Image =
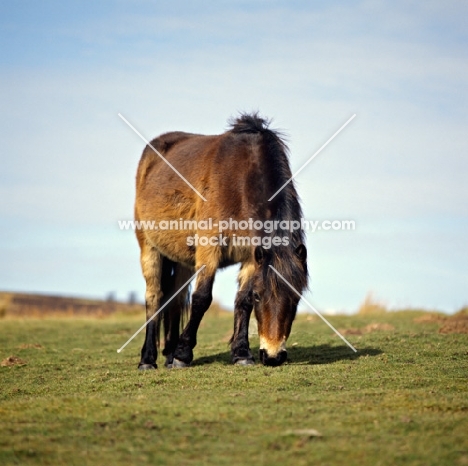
321,354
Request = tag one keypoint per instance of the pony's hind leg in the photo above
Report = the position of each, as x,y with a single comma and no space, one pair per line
151,265
176,309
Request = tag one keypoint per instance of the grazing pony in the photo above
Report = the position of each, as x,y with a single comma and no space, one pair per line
236,172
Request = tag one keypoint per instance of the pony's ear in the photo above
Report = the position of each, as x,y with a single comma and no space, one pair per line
259,254
301,252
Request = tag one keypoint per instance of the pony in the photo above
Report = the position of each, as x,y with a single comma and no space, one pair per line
197,184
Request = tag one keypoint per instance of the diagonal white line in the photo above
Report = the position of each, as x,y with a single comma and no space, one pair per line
161,308
315,310
157,152
310,160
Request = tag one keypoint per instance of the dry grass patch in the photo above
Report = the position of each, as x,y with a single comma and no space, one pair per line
371,306
13,361
458,323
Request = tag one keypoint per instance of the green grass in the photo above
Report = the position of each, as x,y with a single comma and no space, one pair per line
402,399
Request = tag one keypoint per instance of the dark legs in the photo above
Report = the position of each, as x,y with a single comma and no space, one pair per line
163,281
201,300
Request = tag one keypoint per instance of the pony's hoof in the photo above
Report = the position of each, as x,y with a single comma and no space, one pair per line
245,362
169,361
177,364
145,367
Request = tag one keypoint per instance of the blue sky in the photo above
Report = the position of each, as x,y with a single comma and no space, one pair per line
399,170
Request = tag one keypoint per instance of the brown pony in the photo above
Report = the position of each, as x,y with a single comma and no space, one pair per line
236,172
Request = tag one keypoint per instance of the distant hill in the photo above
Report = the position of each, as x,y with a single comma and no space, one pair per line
26,304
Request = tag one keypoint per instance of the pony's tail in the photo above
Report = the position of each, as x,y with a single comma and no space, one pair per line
175,313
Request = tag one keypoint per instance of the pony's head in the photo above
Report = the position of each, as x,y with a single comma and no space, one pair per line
276,293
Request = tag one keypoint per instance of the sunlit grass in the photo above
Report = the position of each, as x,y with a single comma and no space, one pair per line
402,399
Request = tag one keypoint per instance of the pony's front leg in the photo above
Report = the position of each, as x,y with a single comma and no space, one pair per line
201,300
240,349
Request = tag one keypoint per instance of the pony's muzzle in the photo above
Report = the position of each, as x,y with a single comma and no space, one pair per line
272,352
277,360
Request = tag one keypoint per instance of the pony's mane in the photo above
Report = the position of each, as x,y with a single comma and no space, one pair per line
285,205
284,258
249,123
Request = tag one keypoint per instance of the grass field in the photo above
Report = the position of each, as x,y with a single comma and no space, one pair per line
71,399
